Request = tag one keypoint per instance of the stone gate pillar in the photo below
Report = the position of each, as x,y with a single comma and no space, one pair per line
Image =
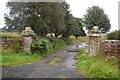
28,37
94,40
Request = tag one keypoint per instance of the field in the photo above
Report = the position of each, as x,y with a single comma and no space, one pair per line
9,34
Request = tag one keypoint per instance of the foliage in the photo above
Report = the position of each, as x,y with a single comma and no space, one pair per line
115,35
78,31
57,41
41,46
12,58
68,21
92,67
43,18
95,16
67,40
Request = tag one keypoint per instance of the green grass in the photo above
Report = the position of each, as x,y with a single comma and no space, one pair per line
97,66
63,76
55,62
11,58
19,59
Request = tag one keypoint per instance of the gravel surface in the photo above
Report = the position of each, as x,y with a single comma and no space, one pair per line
43,69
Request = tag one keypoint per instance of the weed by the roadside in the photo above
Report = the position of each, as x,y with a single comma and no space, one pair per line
55,61
92,67
63,76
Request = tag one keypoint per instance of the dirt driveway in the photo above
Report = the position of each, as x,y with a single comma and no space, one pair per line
58,65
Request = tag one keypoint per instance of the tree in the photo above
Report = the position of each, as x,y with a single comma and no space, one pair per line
55,18
74,26
115,35
23,14
42,17
95,16
79,29
68,21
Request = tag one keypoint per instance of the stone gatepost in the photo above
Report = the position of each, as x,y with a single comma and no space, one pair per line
94,40
28,37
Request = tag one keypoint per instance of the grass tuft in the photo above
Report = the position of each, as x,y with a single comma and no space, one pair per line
92,67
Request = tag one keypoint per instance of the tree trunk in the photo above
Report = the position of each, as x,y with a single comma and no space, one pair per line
76,37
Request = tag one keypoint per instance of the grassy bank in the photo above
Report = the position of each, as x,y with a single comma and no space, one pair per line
22,58
13,56
97,67
10,57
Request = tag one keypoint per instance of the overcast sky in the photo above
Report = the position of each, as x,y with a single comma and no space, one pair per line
78,9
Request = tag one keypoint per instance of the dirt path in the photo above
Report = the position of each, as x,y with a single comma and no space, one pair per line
58,65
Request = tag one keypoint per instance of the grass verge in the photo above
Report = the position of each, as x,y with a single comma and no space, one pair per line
13,57
94,67
22,58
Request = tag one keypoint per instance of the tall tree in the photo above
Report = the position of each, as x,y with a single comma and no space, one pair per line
79,28
68,21
95,16
42,17
23,14
55,17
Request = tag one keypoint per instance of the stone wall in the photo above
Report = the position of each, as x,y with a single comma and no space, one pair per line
111,48
6,42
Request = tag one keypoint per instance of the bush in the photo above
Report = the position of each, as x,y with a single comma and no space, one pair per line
57,42
41,46
115,35
67,40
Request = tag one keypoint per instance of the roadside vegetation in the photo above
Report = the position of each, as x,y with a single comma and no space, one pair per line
41,48
115,35
97,66
15,56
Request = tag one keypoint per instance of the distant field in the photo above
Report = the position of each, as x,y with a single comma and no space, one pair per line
80,39
9,34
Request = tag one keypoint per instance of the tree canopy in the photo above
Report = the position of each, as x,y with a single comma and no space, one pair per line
95,16
43,18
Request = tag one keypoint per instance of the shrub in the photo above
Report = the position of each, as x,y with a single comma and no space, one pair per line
41,46
67,40
57,42
115,35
